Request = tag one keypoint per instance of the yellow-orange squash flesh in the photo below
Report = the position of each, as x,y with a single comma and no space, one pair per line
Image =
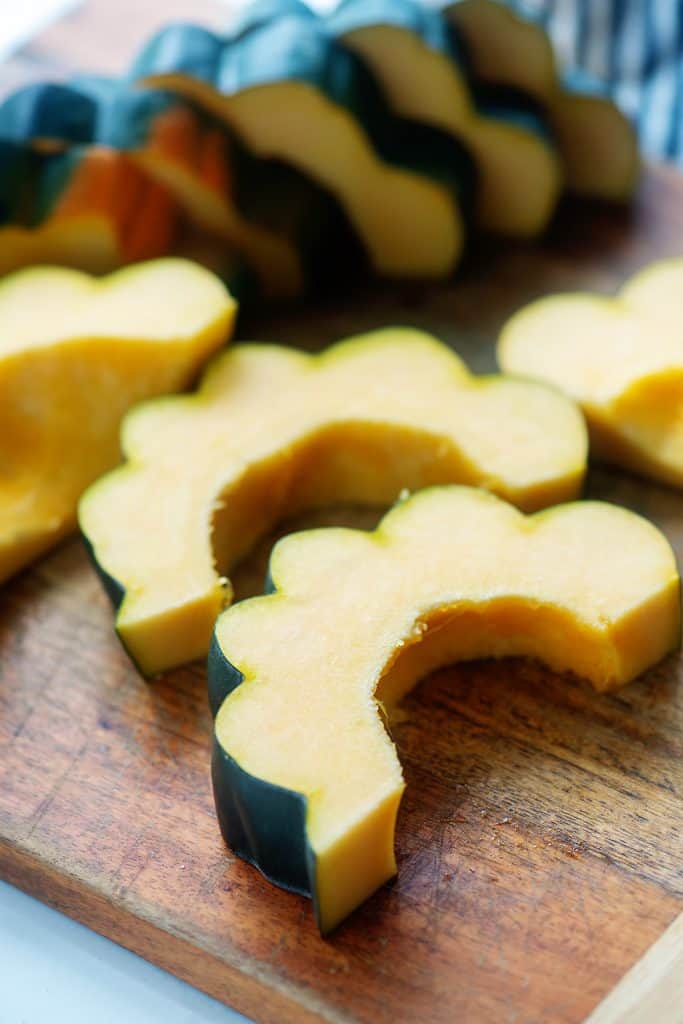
193,162
273,431
75,354
452,573
520,172
598,145
620,358
407,221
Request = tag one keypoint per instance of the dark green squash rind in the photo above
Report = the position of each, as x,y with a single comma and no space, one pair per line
263,823
113,589
296,47
513,106
268,193
47,110
222,676
441,35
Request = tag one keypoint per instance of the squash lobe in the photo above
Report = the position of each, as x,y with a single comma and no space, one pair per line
450,574
271,432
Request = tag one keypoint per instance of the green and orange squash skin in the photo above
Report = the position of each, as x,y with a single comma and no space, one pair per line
268,214
87,207
285,60
307,783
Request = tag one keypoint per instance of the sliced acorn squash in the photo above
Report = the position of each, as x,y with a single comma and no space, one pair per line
307,782
621,359
416,56
75,354
292,93
598,144
266,211
88,207
272,431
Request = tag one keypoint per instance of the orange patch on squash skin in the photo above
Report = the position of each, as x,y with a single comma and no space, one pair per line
214,162
174,134
151,230
178,135
143,215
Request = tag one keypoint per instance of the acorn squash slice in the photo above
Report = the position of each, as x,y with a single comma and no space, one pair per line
598,144
620,358
88,207
415,55
273,431
75,353
222,189
306,780
292,93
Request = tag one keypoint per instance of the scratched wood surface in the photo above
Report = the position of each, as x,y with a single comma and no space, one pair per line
539,842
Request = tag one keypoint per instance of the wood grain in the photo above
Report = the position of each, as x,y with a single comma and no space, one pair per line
539,843
653,988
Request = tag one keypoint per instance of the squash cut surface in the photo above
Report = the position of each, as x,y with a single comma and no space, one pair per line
307,782
401,183
413,51
273,431
620,358
597,142
75,353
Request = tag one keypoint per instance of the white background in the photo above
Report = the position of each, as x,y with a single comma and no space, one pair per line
52,969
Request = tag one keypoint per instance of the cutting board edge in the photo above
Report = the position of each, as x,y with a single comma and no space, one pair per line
245,993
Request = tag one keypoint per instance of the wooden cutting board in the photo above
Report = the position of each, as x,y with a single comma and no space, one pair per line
539,843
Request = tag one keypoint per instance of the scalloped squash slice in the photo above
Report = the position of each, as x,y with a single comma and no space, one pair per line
598,144
417,58
306,779
620,358
291,92
88,207
272,431
75,354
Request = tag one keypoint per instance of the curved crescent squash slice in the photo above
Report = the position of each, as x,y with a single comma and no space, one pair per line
273,431
598,144
414,53
89,208
621,359
222,189
292,93
307,782
75,353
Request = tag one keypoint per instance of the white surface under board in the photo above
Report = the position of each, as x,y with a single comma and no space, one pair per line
20,21
52,969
